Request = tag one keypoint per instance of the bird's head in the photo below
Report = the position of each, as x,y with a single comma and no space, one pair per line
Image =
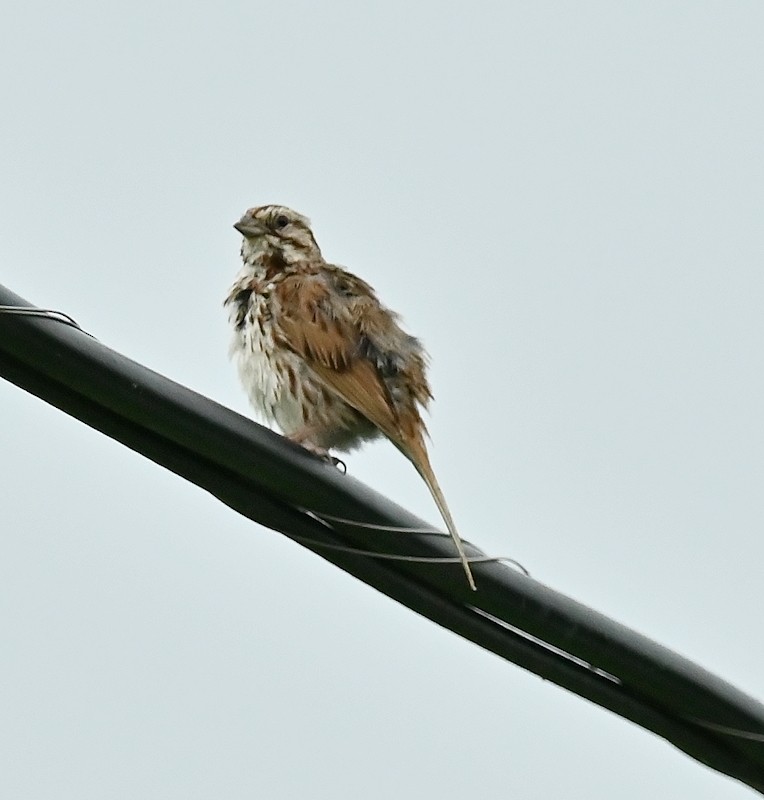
278,226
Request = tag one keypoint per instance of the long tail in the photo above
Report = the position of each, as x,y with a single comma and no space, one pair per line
418,456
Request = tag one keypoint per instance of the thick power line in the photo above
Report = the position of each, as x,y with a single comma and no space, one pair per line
267,479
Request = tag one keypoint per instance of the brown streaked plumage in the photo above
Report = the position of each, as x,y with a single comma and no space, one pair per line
319,355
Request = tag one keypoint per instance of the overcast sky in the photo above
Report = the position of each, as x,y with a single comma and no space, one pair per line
564,201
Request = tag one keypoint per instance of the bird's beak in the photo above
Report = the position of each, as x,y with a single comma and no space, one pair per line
249,227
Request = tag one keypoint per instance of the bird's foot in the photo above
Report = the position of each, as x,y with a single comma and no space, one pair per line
303,439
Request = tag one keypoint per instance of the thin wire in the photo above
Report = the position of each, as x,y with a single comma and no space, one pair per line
417,559
712,726
394,556
736,732
548,646
58,316
373,525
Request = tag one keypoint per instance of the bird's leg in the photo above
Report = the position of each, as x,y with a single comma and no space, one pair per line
305,436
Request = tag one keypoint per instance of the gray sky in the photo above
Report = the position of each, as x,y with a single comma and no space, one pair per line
564,201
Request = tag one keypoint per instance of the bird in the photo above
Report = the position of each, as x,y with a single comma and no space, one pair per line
320,356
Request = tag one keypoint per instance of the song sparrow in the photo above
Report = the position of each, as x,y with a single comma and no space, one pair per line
319,355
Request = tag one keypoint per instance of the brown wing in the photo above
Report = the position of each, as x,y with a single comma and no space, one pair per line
333,320
326,328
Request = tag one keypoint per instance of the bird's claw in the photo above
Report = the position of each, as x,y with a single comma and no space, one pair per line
339,463
323,454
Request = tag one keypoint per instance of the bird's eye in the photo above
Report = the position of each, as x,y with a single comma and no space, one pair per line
282,221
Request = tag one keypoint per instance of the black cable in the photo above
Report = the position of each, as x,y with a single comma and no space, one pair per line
264,477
